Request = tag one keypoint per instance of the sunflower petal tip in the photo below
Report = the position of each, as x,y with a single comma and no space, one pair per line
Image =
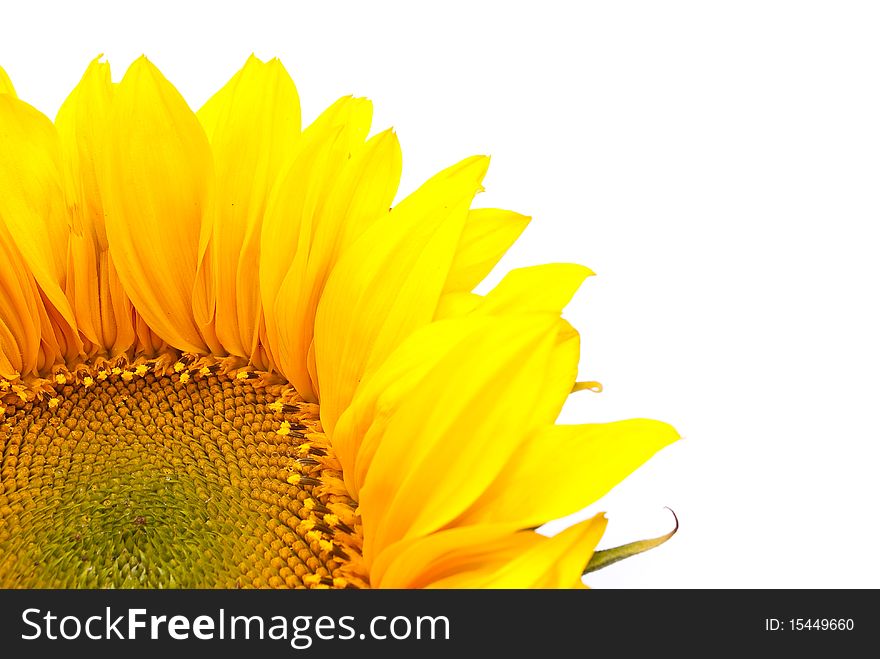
139,65
670,430
664,433
387,134
6,86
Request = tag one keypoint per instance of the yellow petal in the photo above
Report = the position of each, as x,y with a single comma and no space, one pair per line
487,235
556,562
253,124
156,179
443,445
363,194
33,208
300,192
547,287
420,562
82,126
559,375
456,304
543,288
388,283
19,316
148,342
32,202
563,469
6,84
362,425
103,310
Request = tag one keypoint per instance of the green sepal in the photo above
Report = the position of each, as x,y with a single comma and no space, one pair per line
606,557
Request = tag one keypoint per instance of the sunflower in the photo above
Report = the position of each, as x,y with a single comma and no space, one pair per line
228,359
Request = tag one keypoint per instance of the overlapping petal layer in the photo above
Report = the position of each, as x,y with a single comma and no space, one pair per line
35,228
253,125
157,178
104,314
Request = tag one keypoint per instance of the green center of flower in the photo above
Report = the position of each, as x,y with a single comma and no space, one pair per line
162,481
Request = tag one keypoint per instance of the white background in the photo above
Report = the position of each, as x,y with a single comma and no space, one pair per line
716,163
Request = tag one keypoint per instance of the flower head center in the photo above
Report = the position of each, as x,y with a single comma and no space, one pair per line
133,477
